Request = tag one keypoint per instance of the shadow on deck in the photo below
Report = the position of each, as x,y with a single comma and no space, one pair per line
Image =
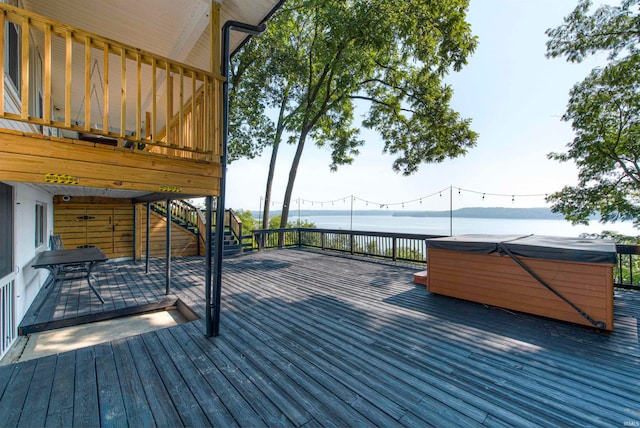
309,339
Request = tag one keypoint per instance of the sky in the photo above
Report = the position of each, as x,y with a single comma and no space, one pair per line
515,97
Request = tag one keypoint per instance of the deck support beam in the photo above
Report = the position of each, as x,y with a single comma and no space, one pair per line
207,267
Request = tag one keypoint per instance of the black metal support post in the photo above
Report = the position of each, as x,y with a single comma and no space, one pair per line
168,264
218,249
208,217
135,234
146,257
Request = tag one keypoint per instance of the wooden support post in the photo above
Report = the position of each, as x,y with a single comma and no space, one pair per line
214,37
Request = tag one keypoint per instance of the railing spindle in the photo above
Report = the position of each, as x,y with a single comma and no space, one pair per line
154,90
67,86
24,85
87,83
138,96
105,89
123,96
2,27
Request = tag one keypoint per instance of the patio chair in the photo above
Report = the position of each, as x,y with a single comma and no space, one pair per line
55,242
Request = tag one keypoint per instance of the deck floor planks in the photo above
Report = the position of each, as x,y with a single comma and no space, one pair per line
110,396
201,351
187,406
299,324
37,400
135,403
158,398
60,411
13,400
85,401
387,366
210,403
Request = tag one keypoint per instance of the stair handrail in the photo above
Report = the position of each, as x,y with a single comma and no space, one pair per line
234,223
181,211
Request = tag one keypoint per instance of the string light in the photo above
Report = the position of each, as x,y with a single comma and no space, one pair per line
419,200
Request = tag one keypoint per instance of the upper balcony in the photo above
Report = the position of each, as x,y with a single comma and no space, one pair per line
134,104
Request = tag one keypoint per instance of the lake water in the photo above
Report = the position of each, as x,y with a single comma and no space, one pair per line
440,225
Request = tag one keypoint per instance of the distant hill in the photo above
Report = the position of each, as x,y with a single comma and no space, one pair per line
473,212
494,212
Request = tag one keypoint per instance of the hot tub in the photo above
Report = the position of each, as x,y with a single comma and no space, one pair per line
567,279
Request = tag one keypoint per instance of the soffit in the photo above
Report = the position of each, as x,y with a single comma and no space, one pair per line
177,29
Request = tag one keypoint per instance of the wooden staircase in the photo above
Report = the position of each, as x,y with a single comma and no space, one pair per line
191,218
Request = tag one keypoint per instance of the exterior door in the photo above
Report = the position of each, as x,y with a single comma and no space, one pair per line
7,274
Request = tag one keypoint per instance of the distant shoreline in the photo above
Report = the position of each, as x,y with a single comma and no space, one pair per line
541,213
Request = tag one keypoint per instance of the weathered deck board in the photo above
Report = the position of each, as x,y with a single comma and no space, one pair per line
309,339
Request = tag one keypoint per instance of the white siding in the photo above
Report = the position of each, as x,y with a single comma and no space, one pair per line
29,281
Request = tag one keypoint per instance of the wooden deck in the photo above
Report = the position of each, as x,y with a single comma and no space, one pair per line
309,339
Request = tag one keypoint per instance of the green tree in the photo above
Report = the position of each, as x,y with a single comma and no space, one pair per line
276,221
604,111
249,224
321,55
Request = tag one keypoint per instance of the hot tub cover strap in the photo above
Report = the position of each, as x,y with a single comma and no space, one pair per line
503,248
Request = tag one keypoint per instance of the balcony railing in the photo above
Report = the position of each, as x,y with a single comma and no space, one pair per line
406,247
99,87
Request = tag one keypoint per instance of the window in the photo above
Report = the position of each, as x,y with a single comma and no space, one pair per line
12,55
41,224
6,229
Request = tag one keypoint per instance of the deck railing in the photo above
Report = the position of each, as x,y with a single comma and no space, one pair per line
109,89
406,247
7,316
384,245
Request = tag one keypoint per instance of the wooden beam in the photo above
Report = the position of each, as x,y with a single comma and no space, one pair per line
214,38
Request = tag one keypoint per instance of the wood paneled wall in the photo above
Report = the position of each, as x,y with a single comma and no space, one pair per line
183,242
100,222
108,224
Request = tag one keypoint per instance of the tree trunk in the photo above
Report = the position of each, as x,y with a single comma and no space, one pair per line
292,179
267,193
272,163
